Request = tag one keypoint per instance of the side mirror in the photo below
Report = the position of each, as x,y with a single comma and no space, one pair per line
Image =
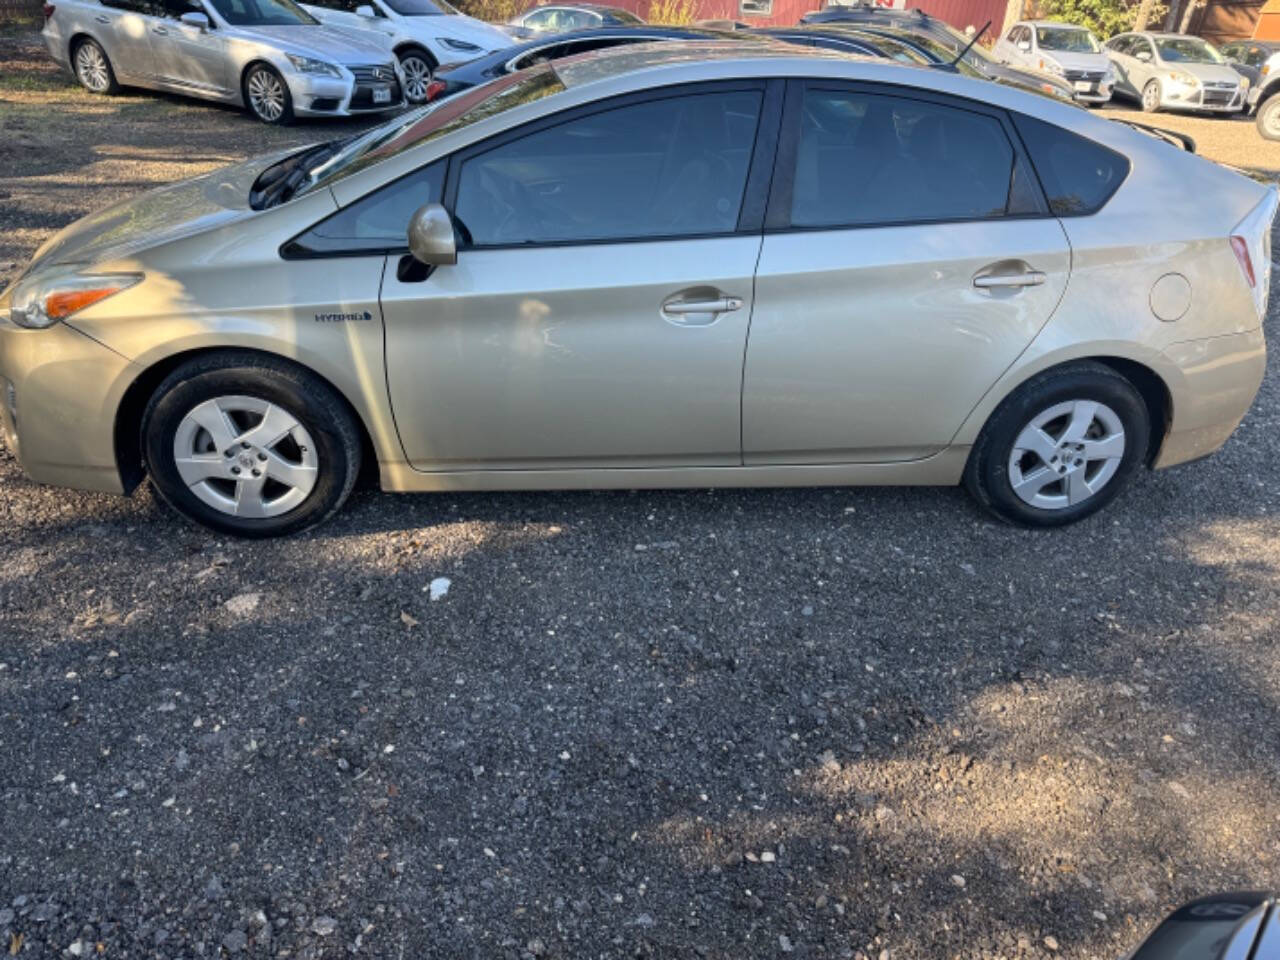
1024,45
431,236
1144,56
196,19
365,10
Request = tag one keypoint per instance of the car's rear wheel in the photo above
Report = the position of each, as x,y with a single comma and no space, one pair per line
1151,96
418,71
93,68
250,446
1268,120
267,95
1060,447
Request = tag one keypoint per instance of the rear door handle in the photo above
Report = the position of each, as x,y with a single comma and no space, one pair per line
1032,278
723,305
103,19
160,31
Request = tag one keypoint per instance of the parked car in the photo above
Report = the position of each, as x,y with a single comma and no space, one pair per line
1172,71
1225,926
563,17
269,56
452,80
1066,51
848,41
1258,61
546,282
425,34
947,43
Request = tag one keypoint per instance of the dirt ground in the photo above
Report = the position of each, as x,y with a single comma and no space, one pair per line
801,723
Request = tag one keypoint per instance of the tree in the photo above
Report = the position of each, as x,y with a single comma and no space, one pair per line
1104,17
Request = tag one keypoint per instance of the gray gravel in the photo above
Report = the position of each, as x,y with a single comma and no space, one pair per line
819,723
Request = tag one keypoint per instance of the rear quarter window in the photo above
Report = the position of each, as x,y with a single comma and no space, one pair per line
1079,176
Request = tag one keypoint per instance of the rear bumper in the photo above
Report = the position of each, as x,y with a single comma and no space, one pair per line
57,409
1220,378
56,45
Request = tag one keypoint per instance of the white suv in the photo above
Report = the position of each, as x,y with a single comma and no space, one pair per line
1062,50
425,34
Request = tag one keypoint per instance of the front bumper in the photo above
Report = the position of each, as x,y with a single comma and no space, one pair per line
1193,98
57,409
1220,378
322,96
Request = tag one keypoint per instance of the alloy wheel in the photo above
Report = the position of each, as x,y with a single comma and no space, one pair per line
266,95
417,75
245,457
91,68
1066,454
1271,121
1151,97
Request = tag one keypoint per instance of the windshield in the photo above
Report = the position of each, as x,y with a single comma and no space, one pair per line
262,13
624,16
420,8
1186,50
436,120
1066,40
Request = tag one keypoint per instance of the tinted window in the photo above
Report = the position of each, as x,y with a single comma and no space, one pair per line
867,159
262,13
1078,175
379,221
661,168
421,8
176,8
136,6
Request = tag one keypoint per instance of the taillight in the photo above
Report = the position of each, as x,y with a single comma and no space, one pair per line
1251,243
48,10
434,89
1240,247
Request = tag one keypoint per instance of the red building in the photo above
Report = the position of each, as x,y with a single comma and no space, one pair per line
958,13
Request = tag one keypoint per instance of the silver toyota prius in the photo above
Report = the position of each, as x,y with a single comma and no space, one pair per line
678,265
270,56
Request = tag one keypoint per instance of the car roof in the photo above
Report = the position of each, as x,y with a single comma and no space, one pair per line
1052,23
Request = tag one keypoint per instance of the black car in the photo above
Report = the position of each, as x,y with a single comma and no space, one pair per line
943,41
1259,62
848,41
451,80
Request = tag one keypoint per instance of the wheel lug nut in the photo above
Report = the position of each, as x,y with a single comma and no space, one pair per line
261,455
235,470
244,444
257,473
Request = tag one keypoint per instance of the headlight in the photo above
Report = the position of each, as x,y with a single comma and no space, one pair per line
1185,79
459,45
307,65
1110,76
39,302
1244,83
1048,66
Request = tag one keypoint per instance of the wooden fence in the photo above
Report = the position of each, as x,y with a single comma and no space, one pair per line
11,10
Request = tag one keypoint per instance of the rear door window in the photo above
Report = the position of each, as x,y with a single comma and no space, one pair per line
872,159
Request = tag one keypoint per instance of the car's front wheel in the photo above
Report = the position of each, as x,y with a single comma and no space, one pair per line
1151,97
267,95
250,446
1060,447
418,71
93,69
1268,119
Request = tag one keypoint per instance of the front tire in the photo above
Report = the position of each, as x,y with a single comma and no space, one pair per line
1268,119
93,68
1061,447
1151,97
267,95
250,446
418,70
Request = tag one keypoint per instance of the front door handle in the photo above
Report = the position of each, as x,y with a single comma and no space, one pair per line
1031,278
103,19
683,307
160,31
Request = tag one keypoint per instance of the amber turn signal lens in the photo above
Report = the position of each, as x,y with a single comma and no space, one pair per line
58,306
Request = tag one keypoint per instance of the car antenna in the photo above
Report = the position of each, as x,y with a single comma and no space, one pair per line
969,46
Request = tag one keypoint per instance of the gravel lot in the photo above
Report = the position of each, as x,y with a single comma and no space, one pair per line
823,723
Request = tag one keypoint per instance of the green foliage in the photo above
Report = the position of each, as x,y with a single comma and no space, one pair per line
1106,18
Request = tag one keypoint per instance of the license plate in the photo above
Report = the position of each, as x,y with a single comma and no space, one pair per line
1084,86
381,94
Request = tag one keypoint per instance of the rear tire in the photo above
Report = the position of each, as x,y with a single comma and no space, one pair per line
419,69
266,95
1268,119
93,68
1061,447
250,446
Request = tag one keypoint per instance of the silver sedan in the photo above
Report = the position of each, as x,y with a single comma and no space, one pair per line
270,56
684,265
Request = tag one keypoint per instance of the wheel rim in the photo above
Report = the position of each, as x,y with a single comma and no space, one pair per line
1271,120
91,68
266,95
1151,96
245,457
417,75
1066,454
